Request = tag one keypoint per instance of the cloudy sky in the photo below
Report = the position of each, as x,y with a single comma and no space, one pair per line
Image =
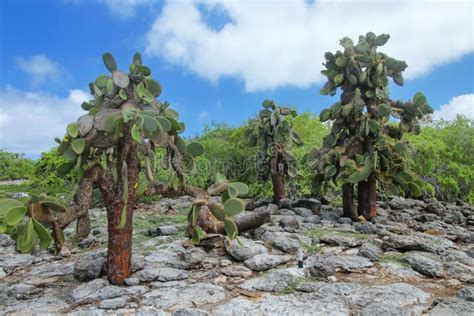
217,60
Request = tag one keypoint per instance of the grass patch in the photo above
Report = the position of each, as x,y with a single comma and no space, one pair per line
149,199
142,223
321,232
291,287
396,259
62,193
311,249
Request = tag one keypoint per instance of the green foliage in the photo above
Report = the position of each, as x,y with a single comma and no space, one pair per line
15,166
363,142
443,156
226,151
47,170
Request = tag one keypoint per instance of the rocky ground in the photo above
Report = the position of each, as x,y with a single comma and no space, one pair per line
415,258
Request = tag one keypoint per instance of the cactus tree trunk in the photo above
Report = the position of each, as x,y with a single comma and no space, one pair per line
119,251
120,238
348,201
278,182
367,190
367,197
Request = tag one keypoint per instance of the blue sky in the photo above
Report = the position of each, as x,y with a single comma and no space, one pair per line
216,62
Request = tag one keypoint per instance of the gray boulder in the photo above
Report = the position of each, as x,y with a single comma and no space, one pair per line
295,305
453,306
182,295
424,262
275,281
418,242
114,303
467,293
163,274
265,262
244,250
289,222
344,241
327,264
392,299
90,265
237,271
167,230
370,251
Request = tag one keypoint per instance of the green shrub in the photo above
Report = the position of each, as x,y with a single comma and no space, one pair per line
443,156
15,166
45,170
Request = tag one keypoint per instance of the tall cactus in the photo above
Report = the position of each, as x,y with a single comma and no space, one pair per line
273,133
365,144
112,147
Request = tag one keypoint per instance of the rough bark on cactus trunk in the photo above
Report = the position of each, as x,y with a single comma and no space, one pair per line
119,250
83,226
367,197
119,253
348,201
278,182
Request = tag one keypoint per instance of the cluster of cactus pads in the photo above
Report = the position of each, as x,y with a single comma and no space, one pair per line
224,212
120,98
367,126
112,148
28,223
273,133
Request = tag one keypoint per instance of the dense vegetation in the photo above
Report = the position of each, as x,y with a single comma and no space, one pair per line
442,155
15,166
128,138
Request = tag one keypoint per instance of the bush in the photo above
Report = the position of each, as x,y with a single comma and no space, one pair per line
15,166
443,156
226,150
45,170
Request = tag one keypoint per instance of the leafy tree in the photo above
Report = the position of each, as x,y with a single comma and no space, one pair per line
15,166
273,133
443,155
365,145
112,148
45,170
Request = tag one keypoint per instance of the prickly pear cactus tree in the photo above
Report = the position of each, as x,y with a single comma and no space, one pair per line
30,223
112,148
273,133
209,216
365,145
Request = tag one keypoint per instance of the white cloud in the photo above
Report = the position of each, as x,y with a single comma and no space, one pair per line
41,69
462,104
281,43
125,8
202,116
29,121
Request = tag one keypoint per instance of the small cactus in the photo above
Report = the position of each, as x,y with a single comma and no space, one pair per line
27,223
225,211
